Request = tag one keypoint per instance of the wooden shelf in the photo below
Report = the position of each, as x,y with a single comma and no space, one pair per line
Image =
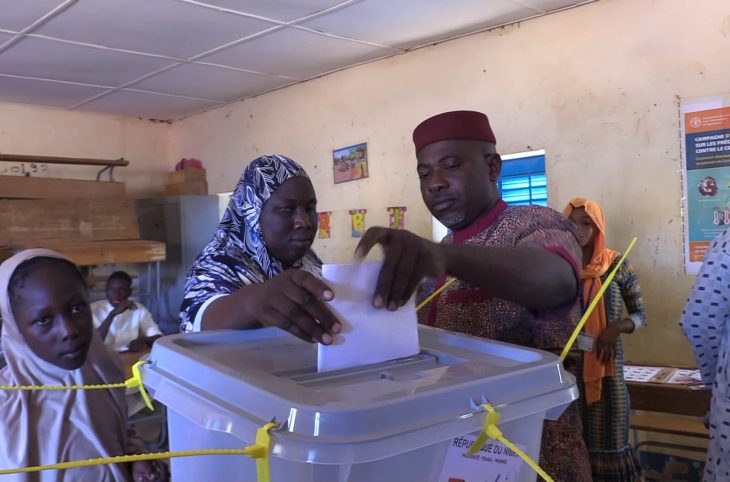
20,187
64,160
687,427
100,252
44,221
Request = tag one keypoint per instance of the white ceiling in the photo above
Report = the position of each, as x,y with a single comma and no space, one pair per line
166,59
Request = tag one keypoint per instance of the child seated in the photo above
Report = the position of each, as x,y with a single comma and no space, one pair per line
49,339
122,323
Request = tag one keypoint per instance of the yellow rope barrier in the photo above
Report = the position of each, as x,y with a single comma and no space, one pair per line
491,431
434,294
259,451
34,388
595,301
134,382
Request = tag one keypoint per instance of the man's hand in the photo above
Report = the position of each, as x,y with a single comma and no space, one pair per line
140,344
123,306
408,259
118,309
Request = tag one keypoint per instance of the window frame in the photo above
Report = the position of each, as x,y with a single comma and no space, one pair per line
524,165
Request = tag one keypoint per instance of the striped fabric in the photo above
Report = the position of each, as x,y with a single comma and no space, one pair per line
606,422
705,322
467,309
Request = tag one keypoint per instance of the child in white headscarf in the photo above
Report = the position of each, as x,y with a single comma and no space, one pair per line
48,339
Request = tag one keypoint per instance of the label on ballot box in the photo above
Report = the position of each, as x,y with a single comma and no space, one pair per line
493,463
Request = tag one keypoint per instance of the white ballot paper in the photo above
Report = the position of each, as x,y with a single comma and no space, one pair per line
369,335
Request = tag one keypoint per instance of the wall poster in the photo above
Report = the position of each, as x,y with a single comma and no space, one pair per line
705,138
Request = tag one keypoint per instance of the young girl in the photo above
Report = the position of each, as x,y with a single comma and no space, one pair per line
605,404
49,339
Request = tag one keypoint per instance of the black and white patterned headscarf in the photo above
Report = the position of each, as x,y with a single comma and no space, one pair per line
237,255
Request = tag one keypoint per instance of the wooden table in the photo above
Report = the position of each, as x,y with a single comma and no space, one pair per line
668,398
663,402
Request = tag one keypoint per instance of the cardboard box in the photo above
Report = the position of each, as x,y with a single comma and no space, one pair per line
18,187
186,187
33,221
184,175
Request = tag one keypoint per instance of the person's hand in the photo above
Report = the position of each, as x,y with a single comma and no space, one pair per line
408,259
123,306
149,470
137,345
295,302
605,345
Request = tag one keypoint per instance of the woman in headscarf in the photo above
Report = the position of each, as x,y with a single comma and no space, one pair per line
259,268
49,339
605,403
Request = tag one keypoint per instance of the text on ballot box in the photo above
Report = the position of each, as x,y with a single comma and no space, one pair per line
493,463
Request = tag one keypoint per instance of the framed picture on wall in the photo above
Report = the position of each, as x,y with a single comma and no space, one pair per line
350,163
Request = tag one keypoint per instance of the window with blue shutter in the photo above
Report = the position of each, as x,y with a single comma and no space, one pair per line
523,181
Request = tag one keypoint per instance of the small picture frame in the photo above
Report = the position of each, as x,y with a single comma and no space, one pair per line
350,163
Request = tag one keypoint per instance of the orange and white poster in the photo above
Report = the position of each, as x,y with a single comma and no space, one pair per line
705,125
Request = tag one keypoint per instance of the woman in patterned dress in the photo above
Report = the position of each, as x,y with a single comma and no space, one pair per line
704,321
605,402
259,268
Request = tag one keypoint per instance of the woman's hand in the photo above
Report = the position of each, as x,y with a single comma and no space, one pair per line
295,301
149,470
605,345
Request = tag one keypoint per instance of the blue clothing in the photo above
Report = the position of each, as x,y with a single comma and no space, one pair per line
705,323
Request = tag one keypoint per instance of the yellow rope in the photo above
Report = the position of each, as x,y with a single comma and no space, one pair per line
259,451
434,294
595,301
134,382
32,388
526,458
491,431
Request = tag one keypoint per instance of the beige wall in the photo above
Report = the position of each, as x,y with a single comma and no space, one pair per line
33,130
595,86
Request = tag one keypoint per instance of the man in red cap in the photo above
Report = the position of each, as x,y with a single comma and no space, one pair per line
516,266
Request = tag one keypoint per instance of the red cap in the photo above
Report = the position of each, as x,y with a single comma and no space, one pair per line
458,125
